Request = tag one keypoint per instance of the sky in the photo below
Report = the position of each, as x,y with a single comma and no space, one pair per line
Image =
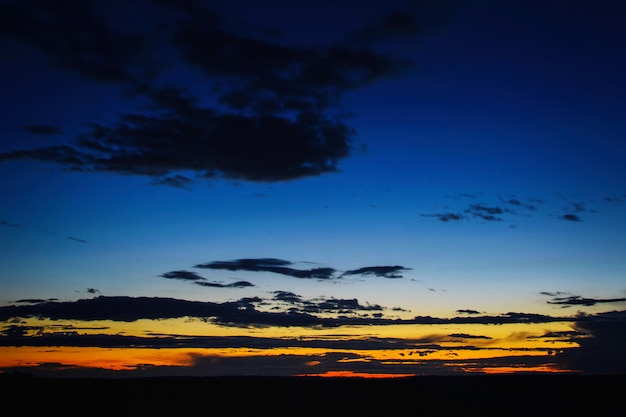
333,188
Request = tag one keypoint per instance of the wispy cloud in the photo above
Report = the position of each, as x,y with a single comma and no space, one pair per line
39,229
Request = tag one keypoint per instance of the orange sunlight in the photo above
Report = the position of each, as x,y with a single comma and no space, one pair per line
351,374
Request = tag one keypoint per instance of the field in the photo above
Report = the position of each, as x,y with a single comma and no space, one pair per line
278,396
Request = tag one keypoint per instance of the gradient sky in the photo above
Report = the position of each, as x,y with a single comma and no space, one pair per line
312,187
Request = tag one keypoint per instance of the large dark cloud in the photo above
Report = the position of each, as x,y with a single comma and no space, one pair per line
275,108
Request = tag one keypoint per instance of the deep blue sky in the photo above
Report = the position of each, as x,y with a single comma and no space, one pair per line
474,149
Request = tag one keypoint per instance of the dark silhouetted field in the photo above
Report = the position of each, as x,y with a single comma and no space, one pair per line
277,396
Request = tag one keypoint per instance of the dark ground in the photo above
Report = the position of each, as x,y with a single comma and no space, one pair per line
277,396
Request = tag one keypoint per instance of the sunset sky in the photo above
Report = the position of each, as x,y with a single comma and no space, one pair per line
373,188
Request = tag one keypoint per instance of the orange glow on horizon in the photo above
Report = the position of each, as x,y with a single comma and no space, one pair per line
352,374
455,346
517,370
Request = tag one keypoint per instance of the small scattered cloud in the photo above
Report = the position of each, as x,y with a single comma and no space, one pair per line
488,213
237,284
287,296
614,199
379,271
583,301
183,275
469,336
34,300
176,181
39,229
570,217
467,311
194,277
552,294
509,208
446,217
461,196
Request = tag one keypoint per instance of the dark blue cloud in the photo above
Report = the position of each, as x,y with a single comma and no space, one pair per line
275,111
